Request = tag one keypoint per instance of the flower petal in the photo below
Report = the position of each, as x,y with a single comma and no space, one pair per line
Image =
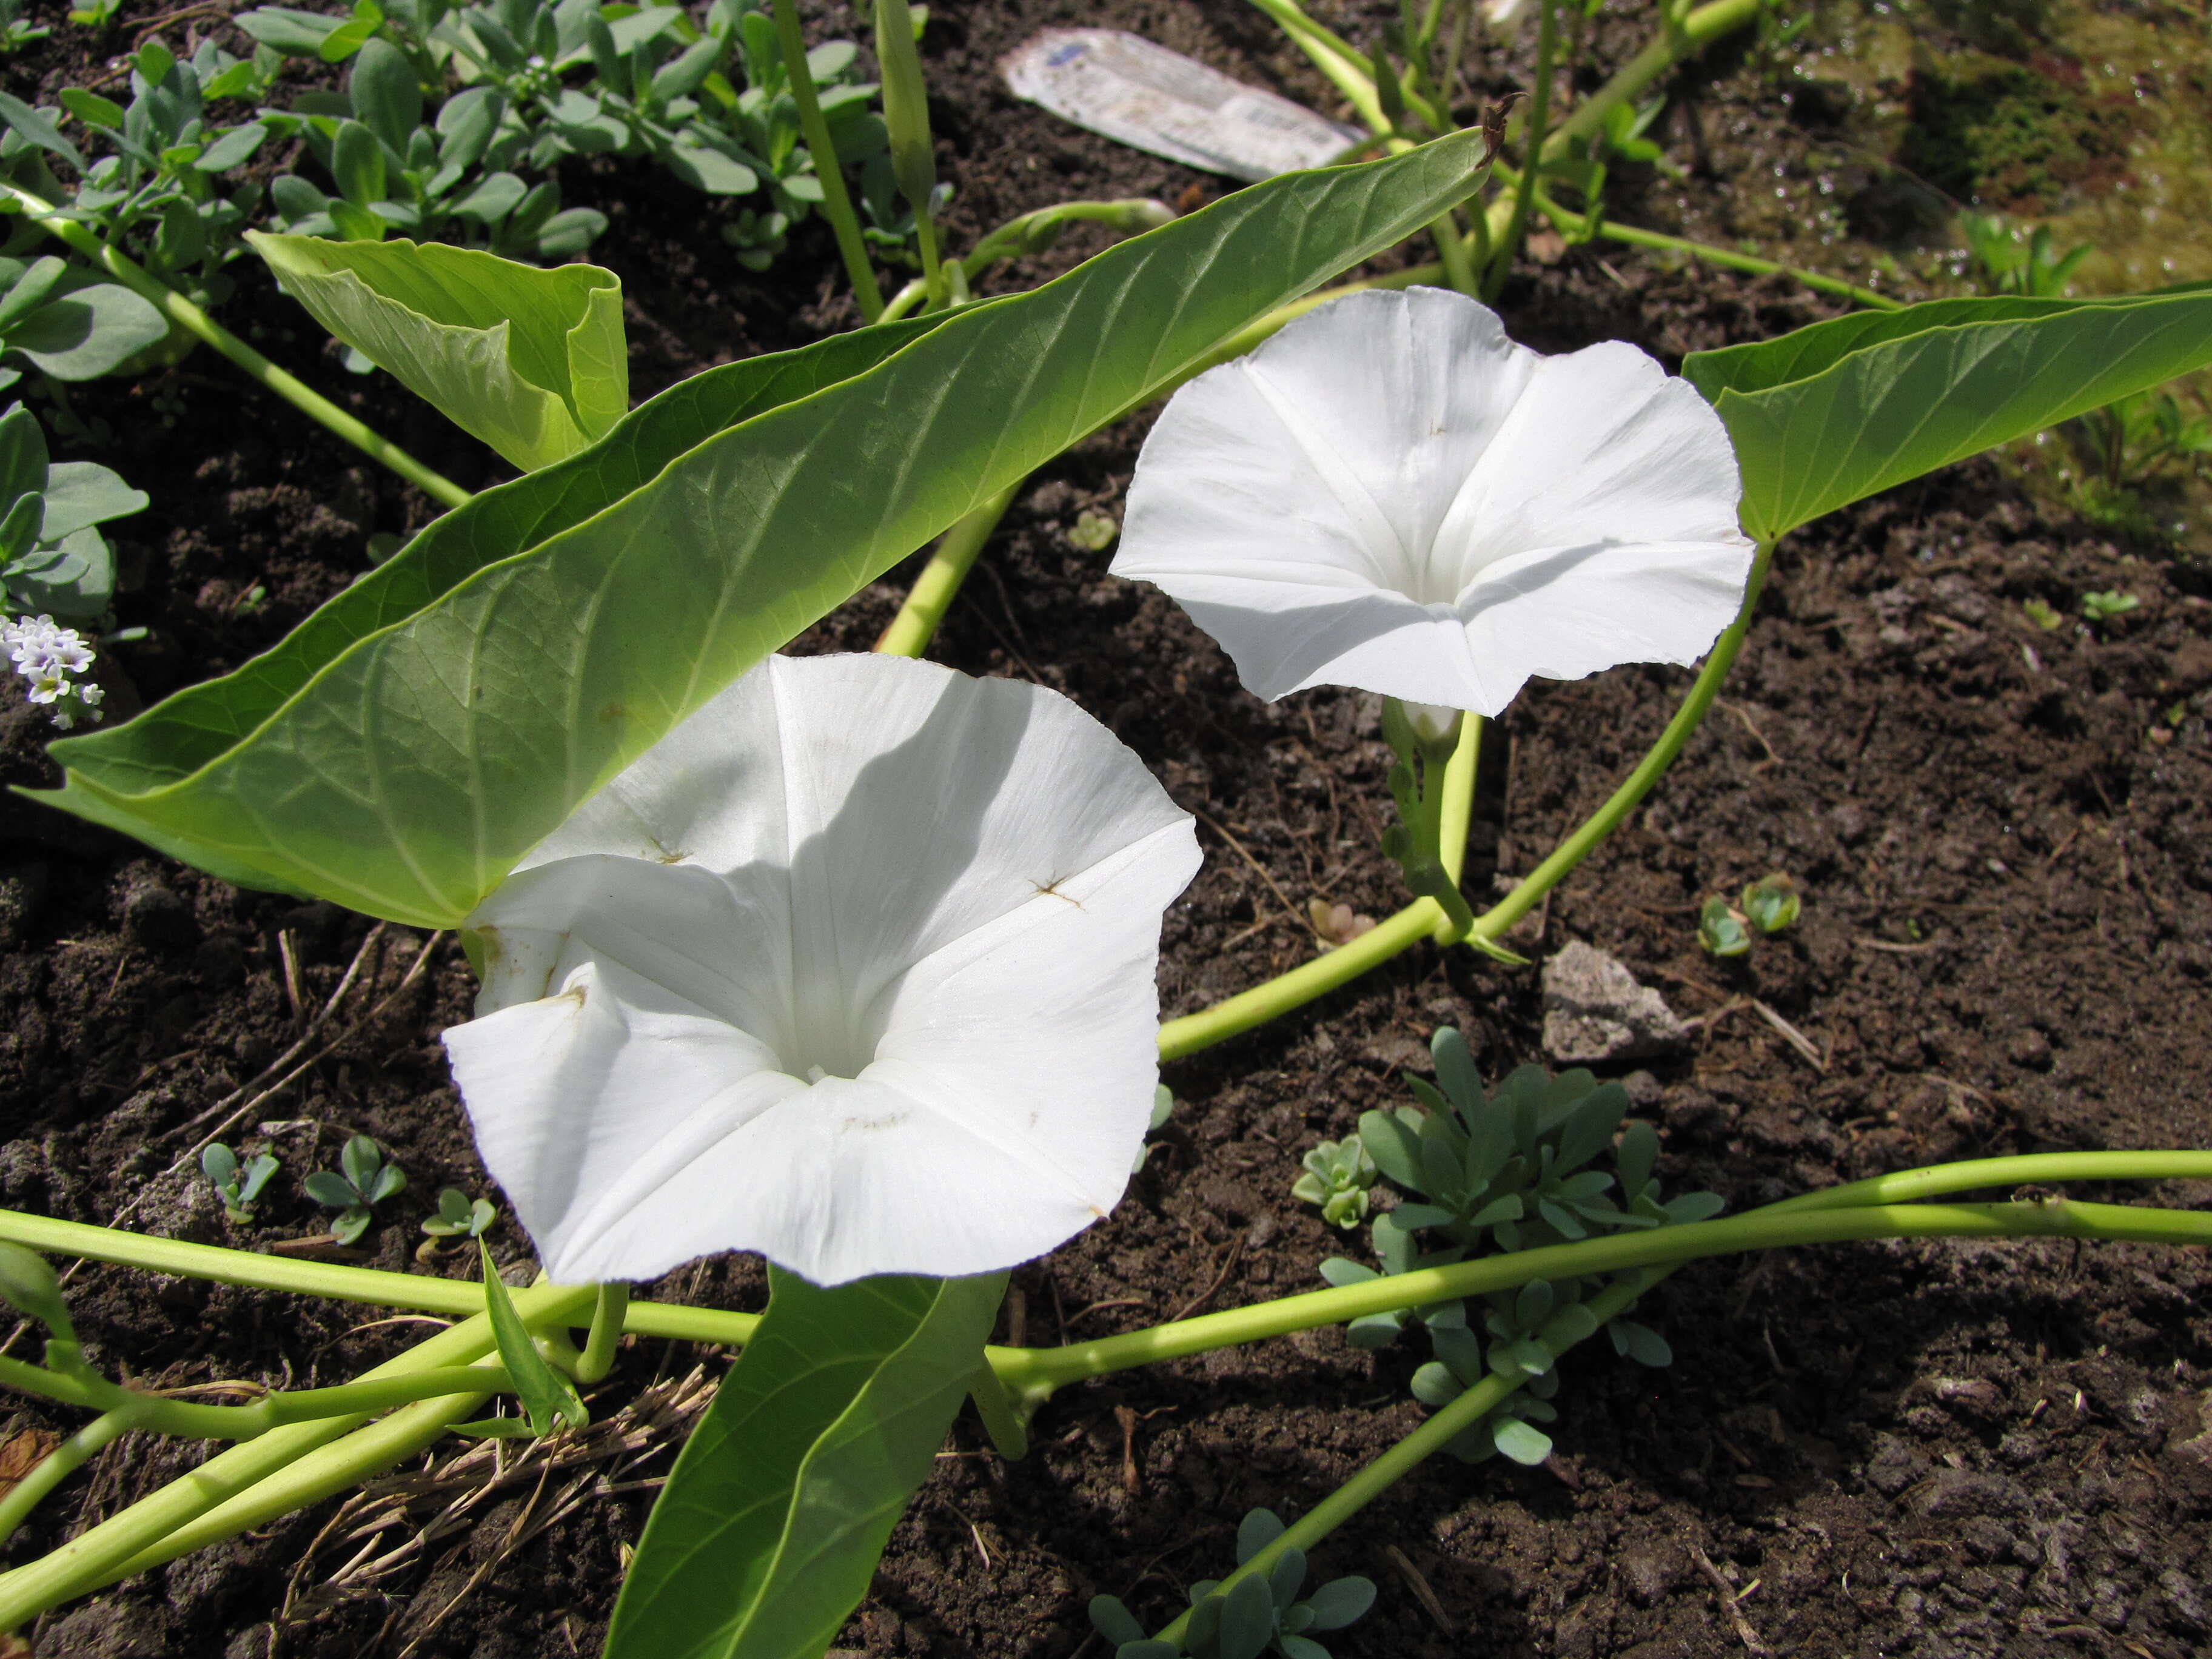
1331,455
922,1040
1390,495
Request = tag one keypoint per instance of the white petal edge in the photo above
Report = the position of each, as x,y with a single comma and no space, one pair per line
634,1125
1591,522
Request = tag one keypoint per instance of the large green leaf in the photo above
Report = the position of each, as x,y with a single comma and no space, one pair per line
531,361
1834,412
419,735
774,1518
197,728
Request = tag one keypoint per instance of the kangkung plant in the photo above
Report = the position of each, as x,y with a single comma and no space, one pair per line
851,960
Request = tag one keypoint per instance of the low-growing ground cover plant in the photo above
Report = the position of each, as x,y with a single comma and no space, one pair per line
625,779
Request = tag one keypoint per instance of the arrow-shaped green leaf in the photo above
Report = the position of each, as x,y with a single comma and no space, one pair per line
419,735
775,1514
1829,414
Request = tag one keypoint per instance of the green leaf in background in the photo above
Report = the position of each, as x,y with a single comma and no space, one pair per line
88,332
1841,409
283,28
532,362
413,738
546,1395
387,99
771,1524
81,493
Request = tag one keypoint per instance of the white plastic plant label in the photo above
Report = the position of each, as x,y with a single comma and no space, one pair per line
1143,96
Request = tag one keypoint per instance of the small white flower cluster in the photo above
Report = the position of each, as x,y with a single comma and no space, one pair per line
46,654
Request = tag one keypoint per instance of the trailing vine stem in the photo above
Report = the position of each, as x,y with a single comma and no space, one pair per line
1424,918
287,1466
195,321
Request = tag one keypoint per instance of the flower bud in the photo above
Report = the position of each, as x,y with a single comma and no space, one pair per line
1434,725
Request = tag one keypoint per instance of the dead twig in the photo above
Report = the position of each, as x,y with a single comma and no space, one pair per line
1228,1266
1258,869
1423,1591
1729,1595
1892,948
1796,1039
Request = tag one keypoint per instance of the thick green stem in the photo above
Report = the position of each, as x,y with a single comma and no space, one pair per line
933,267
1458,812
189,316
1451,250
1422,918
607,1314
191,1421
1433,1436
1487,1395
1507,243
837,203
1575,848
1034,1374
417,1292
927,601
1425,918
1305,982
1334,56
265,1477
59,1464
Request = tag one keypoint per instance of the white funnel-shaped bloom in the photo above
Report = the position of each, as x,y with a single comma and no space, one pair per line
1391,494
855,967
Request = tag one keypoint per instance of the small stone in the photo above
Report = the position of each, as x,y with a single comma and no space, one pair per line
1652,1566
1596,1012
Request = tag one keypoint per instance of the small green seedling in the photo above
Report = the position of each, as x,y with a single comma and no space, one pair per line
458,1217
2103,607
367,1182
2042,615
238,1185
1721,930
1259,1614
14,33
1508,1171
1337,1176
1772,902
1094,531
2007,263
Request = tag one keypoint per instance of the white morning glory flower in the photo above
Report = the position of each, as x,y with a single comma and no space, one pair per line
1391,494
855,967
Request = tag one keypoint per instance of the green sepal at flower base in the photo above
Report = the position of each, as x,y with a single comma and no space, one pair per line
412,739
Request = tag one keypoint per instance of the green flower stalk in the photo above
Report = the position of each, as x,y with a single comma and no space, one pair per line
906,113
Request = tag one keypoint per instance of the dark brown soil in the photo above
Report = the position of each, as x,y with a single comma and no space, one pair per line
1925,1448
